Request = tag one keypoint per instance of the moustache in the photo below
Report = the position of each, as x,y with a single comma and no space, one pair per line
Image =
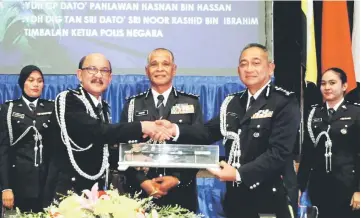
100,81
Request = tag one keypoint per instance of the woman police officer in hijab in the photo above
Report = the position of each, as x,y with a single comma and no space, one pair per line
22,159
330,163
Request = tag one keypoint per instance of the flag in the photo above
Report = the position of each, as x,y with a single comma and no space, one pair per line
336,48
311,60
356,39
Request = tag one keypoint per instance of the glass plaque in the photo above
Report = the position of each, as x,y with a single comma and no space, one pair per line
168,156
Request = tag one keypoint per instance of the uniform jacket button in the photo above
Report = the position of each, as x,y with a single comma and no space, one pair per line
73,179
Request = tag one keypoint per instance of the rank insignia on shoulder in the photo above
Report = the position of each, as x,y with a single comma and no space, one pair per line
74,91
182,109
237,93
135,96
184,93
358,104
287,93
262,114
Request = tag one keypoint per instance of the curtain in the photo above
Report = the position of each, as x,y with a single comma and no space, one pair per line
211,89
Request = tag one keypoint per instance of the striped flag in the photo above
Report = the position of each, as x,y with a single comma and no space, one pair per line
336,48
311,60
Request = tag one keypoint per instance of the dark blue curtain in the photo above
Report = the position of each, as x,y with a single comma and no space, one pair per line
212,90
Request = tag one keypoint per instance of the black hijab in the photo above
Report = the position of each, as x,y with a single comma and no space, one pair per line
24,74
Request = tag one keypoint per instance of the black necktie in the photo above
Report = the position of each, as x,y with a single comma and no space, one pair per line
251,101
330,111
32,107
100,111
160,105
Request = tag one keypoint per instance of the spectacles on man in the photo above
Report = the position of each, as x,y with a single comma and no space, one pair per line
94,70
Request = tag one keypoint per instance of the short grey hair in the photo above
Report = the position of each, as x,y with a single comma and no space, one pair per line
160,49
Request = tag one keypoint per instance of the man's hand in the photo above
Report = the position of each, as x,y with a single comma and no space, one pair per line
8,198
152,189
355,201
156,132
166,182
225,173
171,128
167,124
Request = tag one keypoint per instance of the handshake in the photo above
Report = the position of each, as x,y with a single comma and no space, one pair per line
159,130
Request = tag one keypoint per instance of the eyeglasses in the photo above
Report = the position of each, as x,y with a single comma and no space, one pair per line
94,70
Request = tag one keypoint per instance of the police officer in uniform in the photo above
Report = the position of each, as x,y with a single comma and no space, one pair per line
162,101
330,164
258,127
23,159
81,132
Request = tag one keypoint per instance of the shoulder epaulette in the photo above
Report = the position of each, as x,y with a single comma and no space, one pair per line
74,91
352,103
8,101
187,94
237,93
48,100
15,101
136,96
285,92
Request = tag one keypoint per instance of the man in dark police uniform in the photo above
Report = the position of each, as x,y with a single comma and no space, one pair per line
163,101
80,131
259,128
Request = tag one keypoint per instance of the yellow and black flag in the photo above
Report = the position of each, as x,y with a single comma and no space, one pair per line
310,61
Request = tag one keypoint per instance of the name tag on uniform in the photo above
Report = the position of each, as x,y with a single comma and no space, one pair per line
232,114
18,115
262,114
141,113
43,113
345,118
317,120
182,109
